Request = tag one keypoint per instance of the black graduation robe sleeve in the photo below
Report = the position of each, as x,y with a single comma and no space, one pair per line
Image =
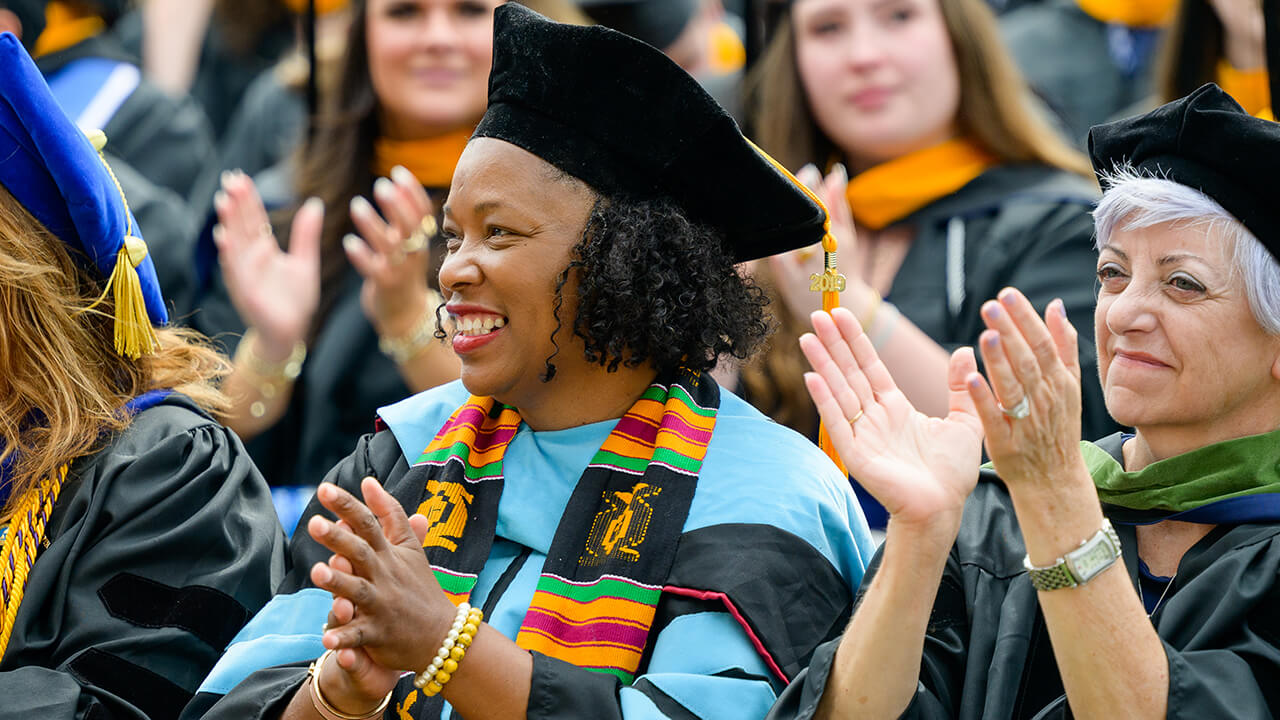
941,666
265,693
161,546
987,653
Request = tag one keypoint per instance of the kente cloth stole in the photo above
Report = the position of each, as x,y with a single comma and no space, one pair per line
613,549
882,195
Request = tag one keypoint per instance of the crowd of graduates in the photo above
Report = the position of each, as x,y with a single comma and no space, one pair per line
471,358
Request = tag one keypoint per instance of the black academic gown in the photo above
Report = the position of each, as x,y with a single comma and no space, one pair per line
160,547
749,556
988,656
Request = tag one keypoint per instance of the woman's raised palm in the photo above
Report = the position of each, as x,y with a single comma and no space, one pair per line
917,466
275,291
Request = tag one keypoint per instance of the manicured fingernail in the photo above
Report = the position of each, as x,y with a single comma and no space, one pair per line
225,178
360,206
841,172
382,187
1060,308
402,175
1007,295
350,242
990,339
991,309
313,205
219,199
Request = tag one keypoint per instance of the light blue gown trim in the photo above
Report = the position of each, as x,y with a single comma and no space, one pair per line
682,644
713,698
286,630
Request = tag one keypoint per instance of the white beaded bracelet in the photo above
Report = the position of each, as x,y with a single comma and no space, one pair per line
460,636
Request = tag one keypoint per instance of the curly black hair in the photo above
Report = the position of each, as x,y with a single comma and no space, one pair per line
655,287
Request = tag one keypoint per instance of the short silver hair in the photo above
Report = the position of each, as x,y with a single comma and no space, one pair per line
1133,201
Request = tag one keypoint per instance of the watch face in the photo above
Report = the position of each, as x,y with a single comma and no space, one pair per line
1091,559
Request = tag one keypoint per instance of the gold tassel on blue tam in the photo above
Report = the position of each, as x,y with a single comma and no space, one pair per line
61,177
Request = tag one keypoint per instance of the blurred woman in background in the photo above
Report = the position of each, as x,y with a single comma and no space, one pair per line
341,323
956,187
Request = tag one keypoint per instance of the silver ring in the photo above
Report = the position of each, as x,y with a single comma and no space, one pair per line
1018,411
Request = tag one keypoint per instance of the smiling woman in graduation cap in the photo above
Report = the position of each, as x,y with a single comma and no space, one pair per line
137,536
1133,577
634,542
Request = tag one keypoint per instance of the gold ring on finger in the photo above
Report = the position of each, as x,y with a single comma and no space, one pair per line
416,242
857,417
428,226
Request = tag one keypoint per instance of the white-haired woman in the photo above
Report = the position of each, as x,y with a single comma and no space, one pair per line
997,594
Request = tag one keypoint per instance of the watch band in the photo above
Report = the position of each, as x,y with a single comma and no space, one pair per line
1099,552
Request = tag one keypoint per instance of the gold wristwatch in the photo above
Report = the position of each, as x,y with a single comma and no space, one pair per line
1080,565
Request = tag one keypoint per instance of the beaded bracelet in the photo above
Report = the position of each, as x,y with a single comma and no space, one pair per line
465,625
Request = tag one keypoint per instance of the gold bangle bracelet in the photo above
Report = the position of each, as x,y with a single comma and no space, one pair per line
247,356
267,378
871,316
404,348
322,705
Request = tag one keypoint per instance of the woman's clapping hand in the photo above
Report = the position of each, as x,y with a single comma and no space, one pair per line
1032,361
920,468
275,291
392,254
389,613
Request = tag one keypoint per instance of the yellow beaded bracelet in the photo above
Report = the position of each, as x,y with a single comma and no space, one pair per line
463,632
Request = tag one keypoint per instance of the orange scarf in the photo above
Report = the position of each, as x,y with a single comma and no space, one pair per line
323,7
1250,88
890,191
65,26
431,160
1133,13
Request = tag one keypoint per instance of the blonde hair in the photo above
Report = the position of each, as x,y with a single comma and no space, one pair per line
62,384
995,103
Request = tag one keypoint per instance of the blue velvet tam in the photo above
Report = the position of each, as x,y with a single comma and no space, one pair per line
57,174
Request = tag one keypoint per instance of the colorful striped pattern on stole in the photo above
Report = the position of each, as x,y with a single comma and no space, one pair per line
604,625
474,440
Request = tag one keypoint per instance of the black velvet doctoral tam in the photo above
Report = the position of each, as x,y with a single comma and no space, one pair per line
1208,142
623,118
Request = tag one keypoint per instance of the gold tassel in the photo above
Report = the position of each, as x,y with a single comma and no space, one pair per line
134,335
829,282
133,332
